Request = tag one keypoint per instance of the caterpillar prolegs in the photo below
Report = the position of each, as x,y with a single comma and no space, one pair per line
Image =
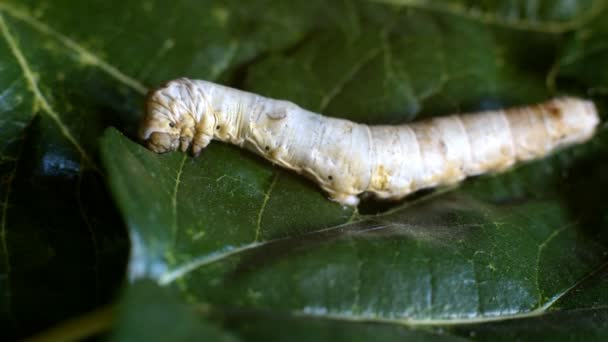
347,158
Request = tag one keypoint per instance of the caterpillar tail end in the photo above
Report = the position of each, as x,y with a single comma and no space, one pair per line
580,116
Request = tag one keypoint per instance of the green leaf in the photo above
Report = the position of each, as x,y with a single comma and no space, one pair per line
231,232
149,313
582,60
62,243
543,16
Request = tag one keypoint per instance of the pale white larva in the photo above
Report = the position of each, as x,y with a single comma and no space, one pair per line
346,158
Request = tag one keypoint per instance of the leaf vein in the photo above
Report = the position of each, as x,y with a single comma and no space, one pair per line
85,54
267,194
558,296
541,248
3,228
350,75
33,85
178,178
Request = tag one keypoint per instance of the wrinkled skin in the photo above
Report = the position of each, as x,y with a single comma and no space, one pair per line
347,159
163,142
172,119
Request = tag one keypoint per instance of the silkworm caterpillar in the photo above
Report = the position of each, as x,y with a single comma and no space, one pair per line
347,158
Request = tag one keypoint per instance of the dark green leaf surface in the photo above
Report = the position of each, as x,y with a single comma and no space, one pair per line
223,231
150,313
253,247
63,245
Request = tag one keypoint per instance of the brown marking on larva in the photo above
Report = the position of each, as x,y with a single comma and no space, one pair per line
559,127
433,179
499,164
554,111
275,153
357,184
453,174
222,131
279,114
348,129
381,178
443,147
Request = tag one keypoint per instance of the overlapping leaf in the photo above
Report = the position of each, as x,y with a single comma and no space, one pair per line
506,247
251,246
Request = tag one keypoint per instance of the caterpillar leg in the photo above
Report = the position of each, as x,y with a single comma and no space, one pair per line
345,199
199,143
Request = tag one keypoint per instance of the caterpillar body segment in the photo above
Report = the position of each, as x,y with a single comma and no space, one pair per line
347,158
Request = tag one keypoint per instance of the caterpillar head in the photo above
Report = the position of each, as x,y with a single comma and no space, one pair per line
171,114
